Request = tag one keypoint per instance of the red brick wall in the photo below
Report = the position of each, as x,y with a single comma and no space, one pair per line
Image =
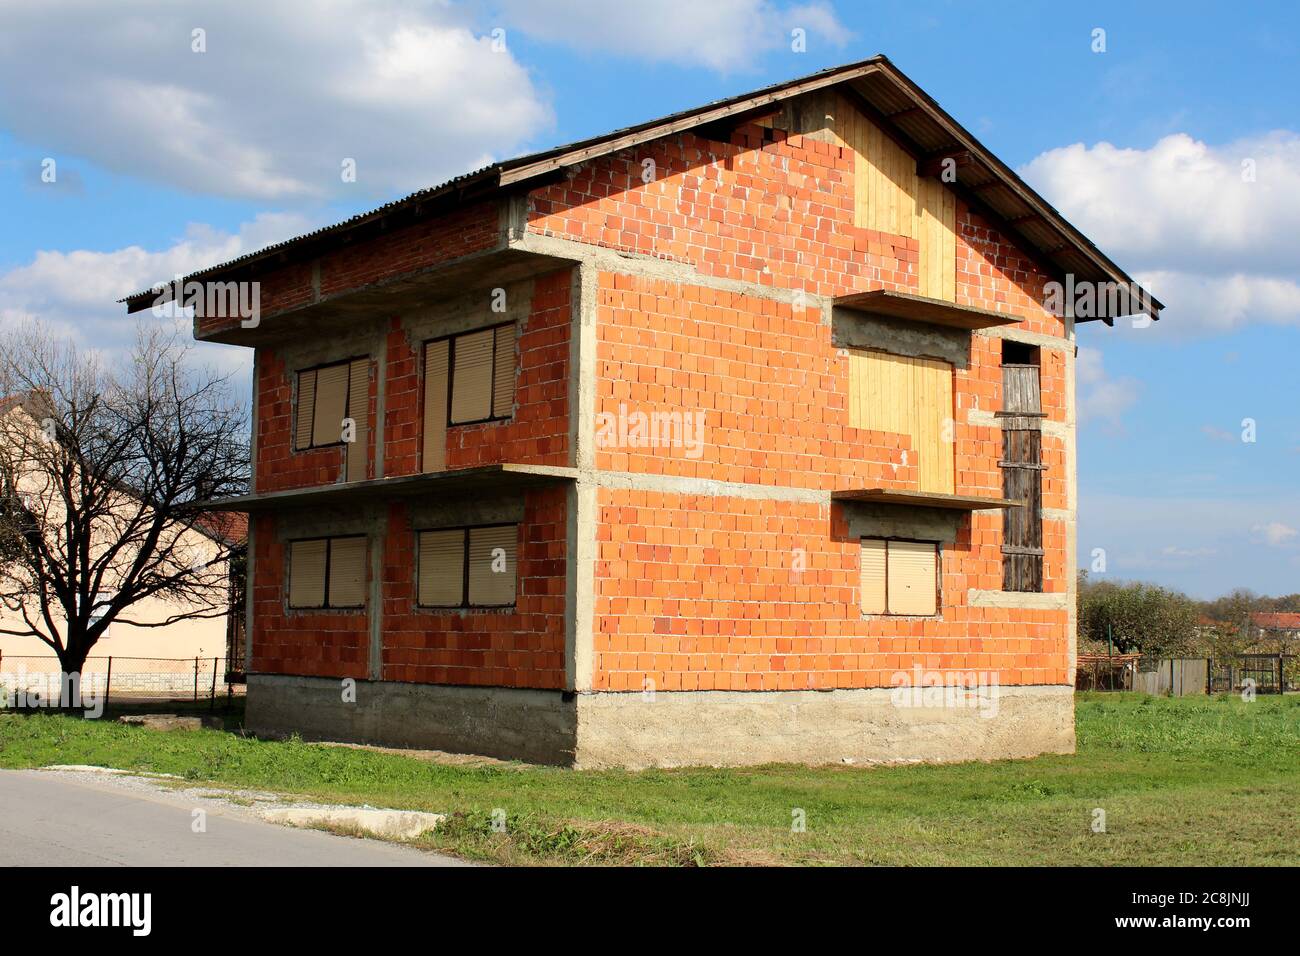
992,273
405,250
773,391
310,643
279,465
697,592
523,647
537,433
777,215
700,593
520,647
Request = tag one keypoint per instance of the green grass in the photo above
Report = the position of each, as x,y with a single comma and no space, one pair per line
1192,781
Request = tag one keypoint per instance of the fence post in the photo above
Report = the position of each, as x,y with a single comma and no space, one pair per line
196,678
212,699
108,681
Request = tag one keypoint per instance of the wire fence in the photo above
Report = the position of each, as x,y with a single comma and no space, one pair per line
122,679
1181,676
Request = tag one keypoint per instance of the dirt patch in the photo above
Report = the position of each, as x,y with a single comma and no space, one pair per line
433,756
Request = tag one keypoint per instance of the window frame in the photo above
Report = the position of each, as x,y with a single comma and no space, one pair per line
347,395
329,540
464,604
450,339
938,574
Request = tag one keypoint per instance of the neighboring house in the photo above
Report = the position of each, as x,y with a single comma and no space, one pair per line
1284,626
200,637
681,445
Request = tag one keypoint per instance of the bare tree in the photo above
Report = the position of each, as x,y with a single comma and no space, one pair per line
101,472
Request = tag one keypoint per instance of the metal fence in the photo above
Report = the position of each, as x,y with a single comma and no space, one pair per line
1265,673
124,679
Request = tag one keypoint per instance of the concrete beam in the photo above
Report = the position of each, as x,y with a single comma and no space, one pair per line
1021,600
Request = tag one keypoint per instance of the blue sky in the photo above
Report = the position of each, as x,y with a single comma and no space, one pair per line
168,159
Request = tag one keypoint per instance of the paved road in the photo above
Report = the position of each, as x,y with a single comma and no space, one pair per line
51,818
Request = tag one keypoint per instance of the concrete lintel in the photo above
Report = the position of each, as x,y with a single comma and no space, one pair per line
667,270
1021,600
1058,430
1025,336
708,487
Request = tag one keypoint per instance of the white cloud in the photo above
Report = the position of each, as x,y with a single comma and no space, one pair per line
75,293
1216,303
1174,551
722,35
284,93
1216,248
1275,533
1102,398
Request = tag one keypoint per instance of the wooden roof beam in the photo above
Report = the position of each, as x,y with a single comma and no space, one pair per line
934,165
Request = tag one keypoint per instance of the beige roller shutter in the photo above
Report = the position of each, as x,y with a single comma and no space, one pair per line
873,576
492,565
503,387
359,412
435,406
912,577
307,573
471,379
331,404
347,572
306,407
441,568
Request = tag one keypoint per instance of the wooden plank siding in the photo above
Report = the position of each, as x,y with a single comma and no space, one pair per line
889,196
1021,393
1022,528
909,396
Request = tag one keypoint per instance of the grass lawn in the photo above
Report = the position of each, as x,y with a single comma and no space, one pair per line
1192,781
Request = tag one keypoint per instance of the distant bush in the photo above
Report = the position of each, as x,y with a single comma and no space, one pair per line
1140,617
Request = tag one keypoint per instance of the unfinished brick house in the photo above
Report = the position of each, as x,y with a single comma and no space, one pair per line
687,444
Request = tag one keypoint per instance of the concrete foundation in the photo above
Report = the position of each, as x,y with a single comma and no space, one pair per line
878,725
533,725
711,728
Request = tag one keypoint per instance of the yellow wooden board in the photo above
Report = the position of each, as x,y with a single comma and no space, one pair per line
902,395
890,197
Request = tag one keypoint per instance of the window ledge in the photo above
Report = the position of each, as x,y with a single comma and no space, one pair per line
919,308
924,499
480,479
